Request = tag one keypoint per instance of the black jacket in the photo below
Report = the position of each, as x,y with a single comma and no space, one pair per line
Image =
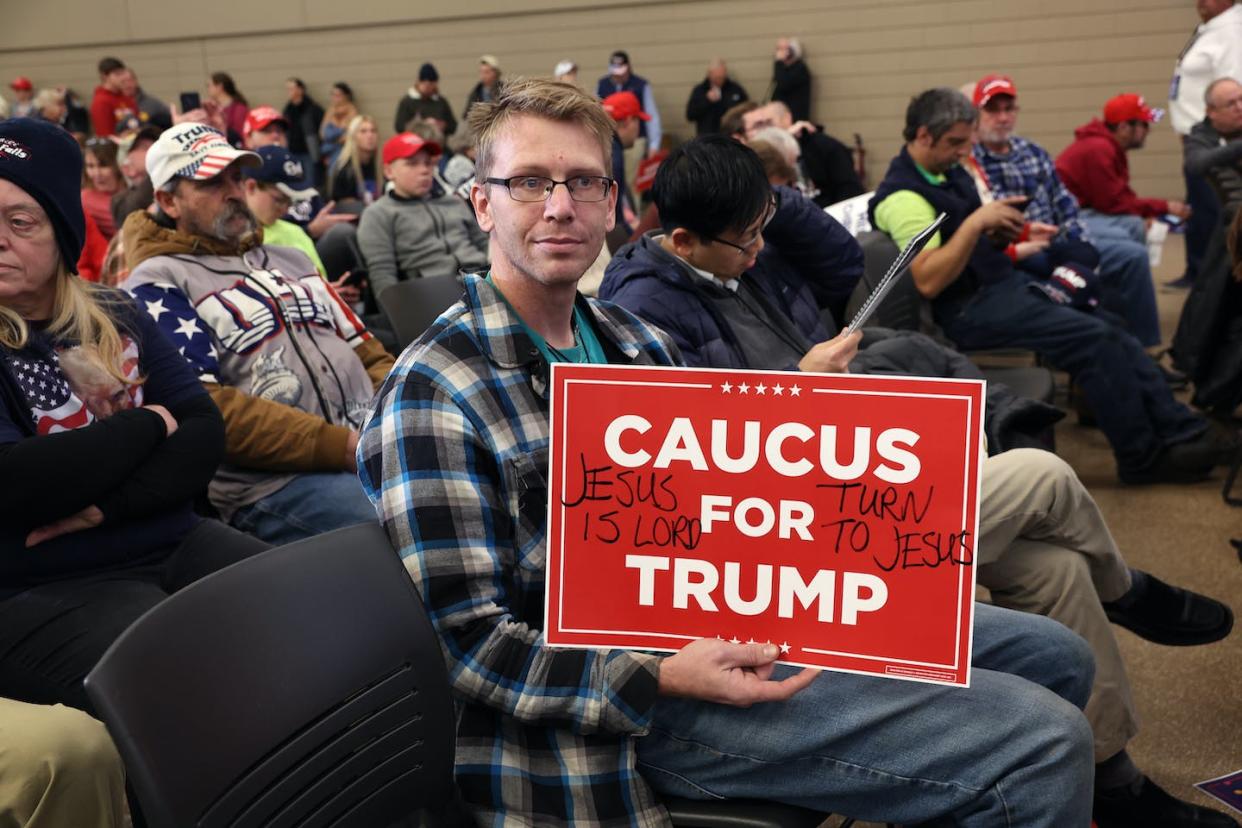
830,166
1210,154
304,120
705,114
791,85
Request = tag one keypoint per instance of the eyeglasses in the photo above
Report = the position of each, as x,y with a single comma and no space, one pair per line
539,188
744,249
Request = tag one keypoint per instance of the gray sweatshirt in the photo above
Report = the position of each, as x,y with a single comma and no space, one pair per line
407,238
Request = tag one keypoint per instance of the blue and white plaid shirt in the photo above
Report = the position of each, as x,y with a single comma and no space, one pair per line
1028,170
453,455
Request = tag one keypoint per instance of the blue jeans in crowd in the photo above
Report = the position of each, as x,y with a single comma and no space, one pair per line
1131,400
1126,287
1107,226
310,505
1011,750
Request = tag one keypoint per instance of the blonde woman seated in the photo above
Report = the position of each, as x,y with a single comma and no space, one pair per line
106,438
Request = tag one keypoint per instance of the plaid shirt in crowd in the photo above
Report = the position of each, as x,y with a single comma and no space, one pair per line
1028,170
454,454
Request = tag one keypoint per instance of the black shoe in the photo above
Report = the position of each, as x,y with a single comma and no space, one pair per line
1173,378
1188,462
1171,615
1152,807
1180,283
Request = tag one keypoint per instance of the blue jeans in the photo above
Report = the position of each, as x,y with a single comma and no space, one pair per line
1127,289
1130,399
1107,226
1011,750
1125,282
309,505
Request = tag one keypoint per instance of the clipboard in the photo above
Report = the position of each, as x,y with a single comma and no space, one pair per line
895,271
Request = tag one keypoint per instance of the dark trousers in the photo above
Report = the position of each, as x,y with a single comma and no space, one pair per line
1204,215
52,635
1132,403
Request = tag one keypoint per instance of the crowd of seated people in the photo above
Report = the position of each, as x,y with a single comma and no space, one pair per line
229,396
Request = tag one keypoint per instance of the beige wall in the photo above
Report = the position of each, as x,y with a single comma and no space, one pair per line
868,56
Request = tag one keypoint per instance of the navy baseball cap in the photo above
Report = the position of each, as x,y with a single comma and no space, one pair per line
279,167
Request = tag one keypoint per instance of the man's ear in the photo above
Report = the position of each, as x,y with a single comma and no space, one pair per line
682,241
482,206
923,137
168,204
610,220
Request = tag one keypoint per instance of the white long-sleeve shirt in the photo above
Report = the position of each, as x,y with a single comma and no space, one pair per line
1214,51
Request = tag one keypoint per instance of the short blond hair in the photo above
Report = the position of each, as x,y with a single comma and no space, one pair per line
541,98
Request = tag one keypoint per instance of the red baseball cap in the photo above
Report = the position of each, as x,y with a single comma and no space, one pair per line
622,105
407,144
262,117
22,83
992,85
1130,107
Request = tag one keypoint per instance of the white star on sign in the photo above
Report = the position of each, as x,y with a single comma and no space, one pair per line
735,640
795,391
727,387
751,641
156,308
778,389
785,647
744,388
188,327
760,388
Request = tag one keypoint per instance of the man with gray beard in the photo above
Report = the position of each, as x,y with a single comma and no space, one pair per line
288,363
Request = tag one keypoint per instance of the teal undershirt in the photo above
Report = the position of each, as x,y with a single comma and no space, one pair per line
586,348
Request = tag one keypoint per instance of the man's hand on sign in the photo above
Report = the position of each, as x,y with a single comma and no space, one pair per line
833,355
724,673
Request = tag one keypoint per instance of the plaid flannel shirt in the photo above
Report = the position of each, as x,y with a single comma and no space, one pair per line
1028,170
454,455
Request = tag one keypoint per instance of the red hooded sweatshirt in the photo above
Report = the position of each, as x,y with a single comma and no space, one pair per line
108,108
1095,170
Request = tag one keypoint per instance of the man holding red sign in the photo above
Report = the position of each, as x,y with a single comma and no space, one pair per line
454,455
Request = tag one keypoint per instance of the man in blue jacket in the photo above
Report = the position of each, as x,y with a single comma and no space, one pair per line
688,280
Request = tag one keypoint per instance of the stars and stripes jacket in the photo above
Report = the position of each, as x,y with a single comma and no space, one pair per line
289,364
454,456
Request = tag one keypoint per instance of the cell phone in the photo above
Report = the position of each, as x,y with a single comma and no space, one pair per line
349,206
189,101
356,277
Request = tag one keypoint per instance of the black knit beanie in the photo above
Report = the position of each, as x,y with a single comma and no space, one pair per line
46,162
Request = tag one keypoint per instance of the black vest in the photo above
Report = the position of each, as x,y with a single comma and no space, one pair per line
957,198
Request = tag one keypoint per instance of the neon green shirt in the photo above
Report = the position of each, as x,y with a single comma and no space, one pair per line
905,213
287,234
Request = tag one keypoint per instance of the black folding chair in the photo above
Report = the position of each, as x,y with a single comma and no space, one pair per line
338,250
303,686
413,304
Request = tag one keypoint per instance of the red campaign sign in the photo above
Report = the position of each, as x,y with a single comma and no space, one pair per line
833,515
